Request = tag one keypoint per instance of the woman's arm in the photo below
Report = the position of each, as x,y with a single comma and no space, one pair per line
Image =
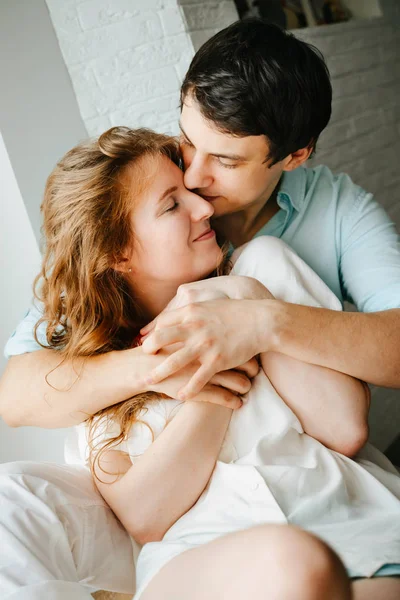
151,494
331,406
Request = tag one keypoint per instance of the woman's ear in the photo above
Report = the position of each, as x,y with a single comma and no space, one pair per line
123,265
297,158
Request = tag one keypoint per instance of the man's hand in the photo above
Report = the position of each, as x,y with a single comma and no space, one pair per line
219,334
213,340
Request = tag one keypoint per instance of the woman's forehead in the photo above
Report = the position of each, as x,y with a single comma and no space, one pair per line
148,179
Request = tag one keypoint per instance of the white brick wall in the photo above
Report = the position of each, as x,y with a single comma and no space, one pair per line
362,138
126,60
204,18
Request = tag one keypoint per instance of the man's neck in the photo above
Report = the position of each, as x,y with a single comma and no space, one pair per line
240,227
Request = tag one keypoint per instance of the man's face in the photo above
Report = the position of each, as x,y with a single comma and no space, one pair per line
229,171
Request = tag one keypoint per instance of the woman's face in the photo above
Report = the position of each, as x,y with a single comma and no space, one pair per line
173,241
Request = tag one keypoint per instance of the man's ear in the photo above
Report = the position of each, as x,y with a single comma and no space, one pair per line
297,158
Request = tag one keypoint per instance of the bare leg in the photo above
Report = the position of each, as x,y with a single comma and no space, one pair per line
269,562
381,588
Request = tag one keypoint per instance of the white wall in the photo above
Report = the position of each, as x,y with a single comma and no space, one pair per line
39,115
206,18
39,122
20,261
364,9
126,59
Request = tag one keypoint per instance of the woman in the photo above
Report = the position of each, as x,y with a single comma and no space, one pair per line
122,235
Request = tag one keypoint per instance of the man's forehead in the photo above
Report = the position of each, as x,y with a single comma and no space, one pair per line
207,137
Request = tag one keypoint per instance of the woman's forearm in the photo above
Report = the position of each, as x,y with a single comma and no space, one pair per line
331,406
165,481
37,389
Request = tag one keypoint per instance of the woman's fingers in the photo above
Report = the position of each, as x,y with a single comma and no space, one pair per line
251,368
218,395
232,380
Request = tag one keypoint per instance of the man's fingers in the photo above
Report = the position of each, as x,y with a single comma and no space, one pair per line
202,376
149,327
164,337
172,364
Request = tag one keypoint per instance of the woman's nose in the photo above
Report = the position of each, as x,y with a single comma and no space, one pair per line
200,209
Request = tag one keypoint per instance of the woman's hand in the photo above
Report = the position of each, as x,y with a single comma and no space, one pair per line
235,287
224,388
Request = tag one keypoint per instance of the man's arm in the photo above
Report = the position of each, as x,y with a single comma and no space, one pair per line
221,332
364,345
39,389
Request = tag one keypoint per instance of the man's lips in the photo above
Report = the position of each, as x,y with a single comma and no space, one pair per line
208,198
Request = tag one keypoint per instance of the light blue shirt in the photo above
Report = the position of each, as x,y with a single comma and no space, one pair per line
334,225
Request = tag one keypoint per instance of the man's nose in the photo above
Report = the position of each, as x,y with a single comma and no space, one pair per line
197,175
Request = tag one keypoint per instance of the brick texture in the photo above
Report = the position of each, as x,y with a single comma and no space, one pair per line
126,59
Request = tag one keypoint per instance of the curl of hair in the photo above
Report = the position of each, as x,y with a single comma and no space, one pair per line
87,303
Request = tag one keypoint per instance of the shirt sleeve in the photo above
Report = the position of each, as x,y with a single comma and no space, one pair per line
23,340
370,256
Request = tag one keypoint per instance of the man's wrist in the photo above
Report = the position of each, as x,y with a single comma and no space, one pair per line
271,318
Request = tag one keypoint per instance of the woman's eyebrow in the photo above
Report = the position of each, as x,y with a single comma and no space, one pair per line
217,155
167,192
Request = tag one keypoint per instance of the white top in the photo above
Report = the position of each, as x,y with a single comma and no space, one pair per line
269,470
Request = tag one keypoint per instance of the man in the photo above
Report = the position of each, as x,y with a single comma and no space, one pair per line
254,103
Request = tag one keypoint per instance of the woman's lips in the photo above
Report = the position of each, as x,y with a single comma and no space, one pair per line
207,235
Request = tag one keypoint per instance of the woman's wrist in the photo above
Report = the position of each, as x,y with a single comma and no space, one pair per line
201,413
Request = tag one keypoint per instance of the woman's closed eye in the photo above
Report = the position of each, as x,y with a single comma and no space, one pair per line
173,206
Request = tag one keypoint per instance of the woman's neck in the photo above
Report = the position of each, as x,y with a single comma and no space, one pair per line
154,296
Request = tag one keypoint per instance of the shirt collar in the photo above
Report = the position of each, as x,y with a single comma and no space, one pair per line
293,187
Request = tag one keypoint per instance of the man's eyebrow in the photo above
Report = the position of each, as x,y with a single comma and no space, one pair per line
167,193
227,156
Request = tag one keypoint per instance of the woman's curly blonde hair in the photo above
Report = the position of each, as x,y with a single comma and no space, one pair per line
88,307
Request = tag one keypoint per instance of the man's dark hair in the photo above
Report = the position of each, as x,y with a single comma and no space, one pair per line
253,78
